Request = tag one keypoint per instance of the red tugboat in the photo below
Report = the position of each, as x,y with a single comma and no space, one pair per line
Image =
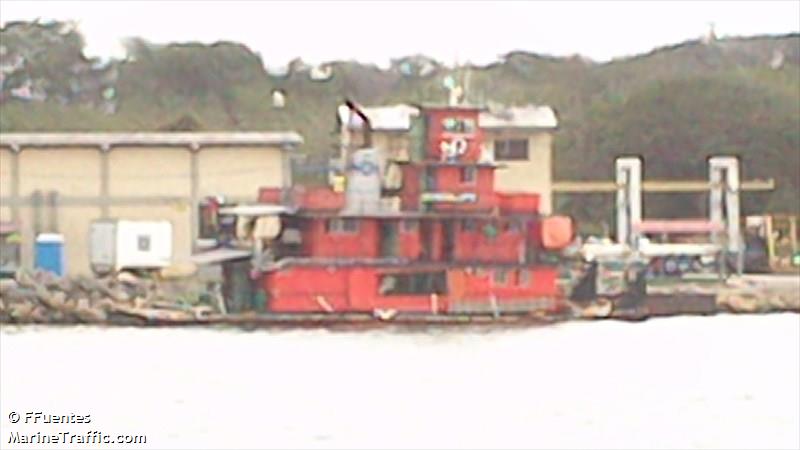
422,233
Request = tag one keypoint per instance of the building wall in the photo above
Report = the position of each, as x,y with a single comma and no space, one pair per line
67,172
533,175
134,175
236,171
142,183
73,171
142,172
6,167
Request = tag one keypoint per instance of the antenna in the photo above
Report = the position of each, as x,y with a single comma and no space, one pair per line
710,36
463,77
454,83
467,79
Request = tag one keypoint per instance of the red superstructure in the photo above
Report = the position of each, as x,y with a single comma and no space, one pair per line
440,240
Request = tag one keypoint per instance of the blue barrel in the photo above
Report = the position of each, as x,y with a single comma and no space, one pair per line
50,253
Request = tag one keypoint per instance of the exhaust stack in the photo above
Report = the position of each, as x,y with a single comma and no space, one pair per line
365,120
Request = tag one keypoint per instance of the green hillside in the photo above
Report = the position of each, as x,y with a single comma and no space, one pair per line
675,105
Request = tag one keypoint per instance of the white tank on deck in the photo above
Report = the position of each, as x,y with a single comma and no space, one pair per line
363,191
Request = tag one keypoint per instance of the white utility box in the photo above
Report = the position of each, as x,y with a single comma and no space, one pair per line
115,245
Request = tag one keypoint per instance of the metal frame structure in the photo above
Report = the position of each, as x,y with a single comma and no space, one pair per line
723,225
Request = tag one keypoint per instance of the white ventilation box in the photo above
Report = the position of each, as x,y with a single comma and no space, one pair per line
115,245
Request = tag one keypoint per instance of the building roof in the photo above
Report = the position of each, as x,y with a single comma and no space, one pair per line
191,139
398,117
529,116
381,118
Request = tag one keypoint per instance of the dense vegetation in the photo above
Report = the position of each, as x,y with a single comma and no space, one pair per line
675,105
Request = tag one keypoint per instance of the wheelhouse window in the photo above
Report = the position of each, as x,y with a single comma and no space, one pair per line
425,283
458,125
468,174
491,230
500,276
410,225
524,278
513,226
468,225
511,150
342,226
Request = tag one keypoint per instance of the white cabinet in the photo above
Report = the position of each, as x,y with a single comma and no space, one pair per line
128,244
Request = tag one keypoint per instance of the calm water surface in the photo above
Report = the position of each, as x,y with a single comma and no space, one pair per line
699,382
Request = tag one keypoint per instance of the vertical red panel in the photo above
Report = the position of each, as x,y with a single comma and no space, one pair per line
362,289
437,241
409,197
410,244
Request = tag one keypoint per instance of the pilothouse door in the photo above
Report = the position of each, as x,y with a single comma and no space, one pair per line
389,241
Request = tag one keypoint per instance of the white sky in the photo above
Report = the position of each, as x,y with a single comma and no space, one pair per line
377,31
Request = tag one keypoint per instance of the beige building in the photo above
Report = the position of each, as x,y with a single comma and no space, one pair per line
521,138
61,182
